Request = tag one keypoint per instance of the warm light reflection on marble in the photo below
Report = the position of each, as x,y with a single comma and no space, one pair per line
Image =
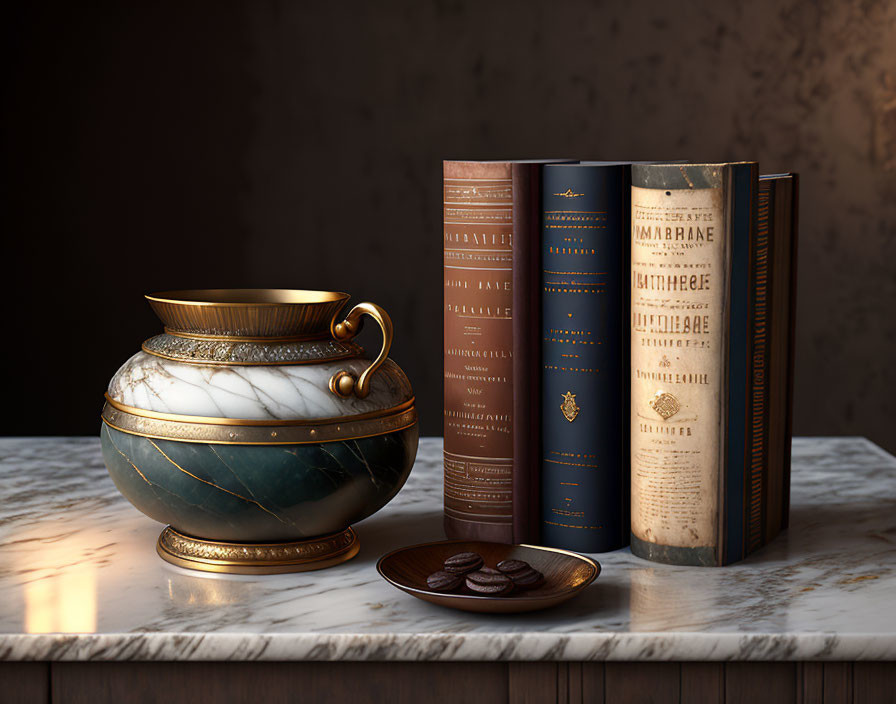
188,591
659,595
40,607
60,593
64,603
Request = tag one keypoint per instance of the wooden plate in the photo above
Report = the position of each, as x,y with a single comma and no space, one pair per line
566,574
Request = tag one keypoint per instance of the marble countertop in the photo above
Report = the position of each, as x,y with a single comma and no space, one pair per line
80,580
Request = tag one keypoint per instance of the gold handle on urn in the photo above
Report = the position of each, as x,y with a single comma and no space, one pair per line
343,383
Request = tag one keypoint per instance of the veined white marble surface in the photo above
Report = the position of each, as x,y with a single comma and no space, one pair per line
79,580
254,392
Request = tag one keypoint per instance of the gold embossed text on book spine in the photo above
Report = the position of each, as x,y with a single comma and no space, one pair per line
478,263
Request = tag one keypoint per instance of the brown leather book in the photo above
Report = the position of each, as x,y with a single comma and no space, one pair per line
492,326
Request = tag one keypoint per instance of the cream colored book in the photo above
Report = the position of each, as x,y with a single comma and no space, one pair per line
712,310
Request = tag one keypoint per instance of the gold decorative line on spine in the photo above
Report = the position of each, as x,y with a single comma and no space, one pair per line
221,488
577,227
568,525
571,464
575,273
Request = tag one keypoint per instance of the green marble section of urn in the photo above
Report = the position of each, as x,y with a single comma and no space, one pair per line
259,494
257,429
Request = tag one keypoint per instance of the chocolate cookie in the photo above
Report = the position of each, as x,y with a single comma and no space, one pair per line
463,562
443,581
508,566
488,584
522,574
526,578
489,570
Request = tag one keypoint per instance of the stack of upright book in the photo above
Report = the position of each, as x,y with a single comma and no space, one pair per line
618,355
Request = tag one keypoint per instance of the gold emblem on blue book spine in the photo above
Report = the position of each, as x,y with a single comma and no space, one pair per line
569,407
569,193
665,404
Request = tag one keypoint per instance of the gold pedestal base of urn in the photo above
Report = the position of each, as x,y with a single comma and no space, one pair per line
257,558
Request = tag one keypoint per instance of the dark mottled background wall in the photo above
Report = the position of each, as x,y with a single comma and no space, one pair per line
150,146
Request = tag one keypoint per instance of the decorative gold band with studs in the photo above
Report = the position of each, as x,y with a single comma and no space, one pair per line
230,431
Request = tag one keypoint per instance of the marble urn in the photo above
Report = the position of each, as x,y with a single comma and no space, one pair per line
258,430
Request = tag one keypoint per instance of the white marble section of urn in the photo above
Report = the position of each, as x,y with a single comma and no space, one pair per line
281,392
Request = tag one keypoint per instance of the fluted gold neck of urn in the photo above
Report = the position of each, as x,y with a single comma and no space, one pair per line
248,312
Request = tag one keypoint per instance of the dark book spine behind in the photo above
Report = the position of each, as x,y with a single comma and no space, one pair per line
743,439
773,293
585,223
478,367
779,192
758,491
526,351
793,232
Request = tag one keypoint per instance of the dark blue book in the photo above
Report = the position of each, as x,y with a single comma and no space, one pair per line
585,359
